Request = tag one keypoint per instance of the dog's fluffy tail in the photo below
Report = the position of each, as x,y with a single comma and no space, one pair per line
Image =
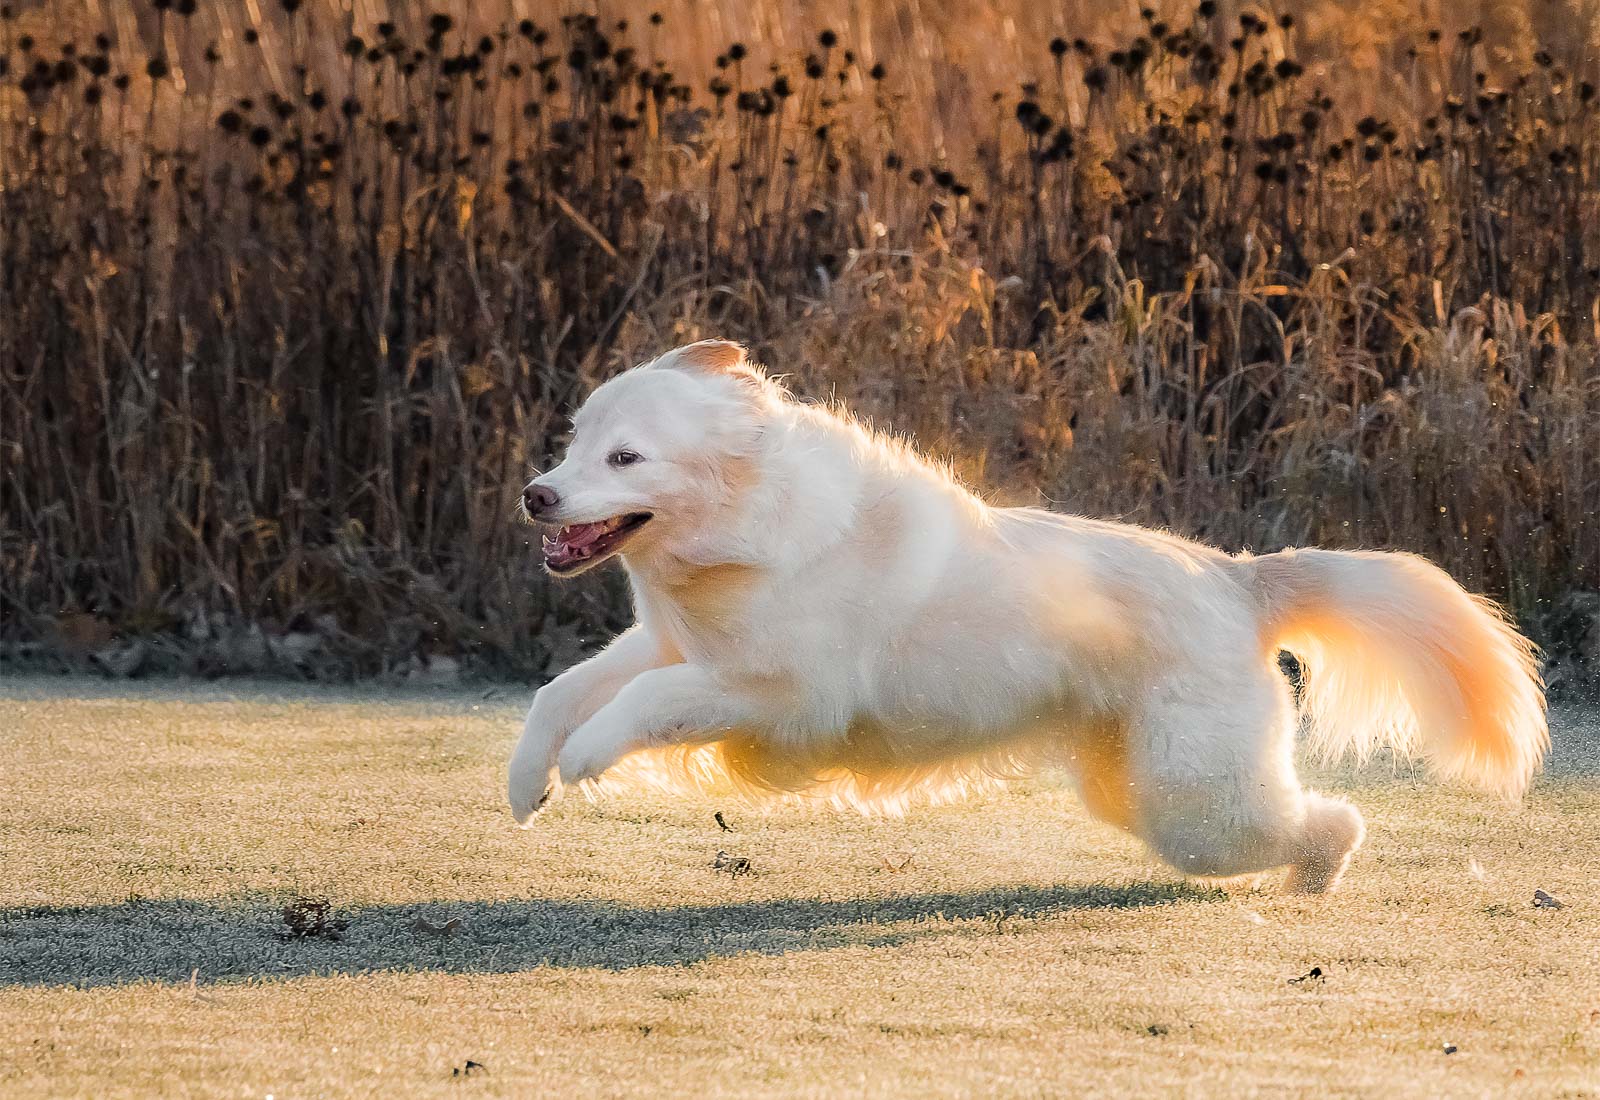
1396,653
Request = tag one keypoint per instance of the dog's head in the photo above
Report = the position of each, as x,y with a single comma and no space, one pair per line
656,454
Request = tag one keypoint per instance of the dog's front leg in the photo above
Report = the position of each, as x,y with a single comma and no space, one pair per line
679,704
566,703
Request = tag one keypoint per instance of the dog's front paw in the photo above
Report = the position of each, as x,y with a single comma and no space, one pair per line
525,809
579,761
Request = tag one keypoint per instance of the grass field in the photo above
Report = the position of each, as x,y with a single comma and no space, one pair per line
150,837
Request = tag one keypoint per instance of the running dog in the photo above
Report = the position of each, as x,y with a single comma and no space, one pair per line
822,609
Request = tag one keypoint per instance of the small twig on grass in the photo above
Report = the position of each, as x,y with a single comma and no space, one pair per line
733,865
194,986
1542,900
311,919
448,928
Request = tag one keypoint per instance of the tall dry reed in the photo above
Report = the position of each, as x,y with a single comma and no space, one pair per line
291,307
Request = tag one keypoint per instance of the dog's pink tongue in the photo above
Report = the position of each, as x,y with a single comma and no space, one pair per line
571,543
580,535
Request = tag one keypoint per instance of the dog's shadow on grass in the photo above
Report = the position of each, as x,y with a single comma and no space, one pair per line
167,941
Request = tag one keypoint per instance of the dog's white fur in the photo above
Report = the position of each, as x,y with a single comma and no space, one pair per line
820,609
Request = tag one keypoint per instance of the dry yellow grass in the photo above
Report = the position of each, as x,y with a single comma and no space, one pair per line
1023,950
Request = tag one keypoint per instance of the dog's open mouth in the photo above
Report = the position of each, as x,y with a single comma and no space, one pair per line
581,544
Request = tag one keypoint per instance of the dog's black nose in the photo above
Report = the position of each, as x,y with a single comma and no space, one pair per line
538,499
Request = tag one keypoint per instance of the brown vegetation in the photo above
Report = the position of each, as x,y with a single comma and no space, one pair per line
290,310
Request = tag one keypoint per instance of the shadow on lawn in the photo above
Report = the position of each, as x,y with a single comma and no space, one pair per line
166,940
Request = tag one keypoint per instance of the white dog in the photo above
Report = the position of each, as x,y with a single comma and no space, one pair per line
820,608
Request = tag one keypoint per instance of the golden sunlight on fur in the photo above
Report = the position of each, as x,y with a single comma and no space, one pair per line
708,355
824,613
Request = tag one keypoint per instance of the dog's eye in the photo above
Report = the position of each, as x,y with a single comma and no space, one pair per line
625,458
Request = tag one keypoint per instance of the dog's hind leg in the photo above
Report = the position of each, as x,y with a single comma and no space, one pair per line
1218,796
1329,837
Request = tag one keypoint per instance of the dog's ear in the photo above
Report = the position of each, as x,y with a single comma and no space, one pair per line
711,357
